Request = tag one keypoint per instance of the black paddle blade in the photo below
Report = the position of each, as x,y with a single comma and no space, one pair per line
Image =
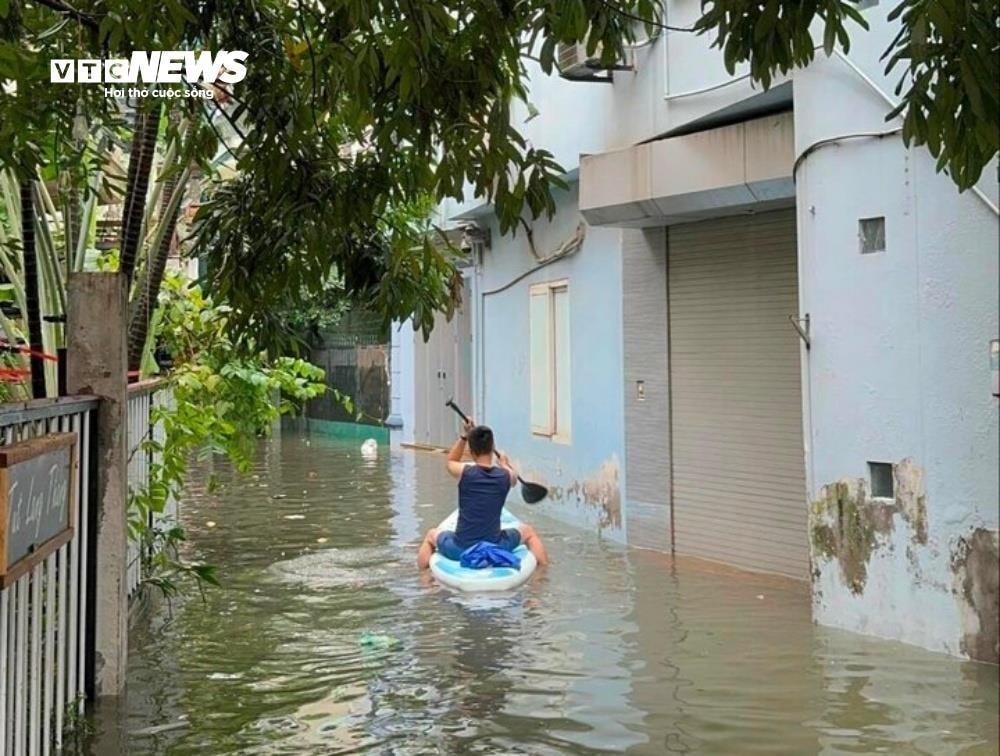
532,493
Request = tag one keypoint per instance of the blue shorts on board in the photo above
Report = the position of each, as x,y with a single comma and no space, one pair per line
447,546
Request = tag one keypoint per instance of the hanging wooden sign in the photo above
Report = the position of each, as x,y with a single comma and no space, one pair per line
37,506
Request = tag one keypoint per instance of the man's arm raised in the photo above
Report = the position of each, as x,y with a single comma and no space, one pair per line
507,465
455,464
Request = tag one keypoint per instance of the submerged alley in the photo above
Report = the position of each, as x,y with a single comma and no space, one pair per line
326,640
478,377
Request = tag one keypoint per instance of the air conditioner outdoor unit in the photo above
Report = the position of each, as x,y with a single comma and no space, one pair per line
574,63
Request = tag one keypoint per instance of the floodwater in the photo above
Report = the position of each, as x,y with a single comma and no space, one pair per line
324,639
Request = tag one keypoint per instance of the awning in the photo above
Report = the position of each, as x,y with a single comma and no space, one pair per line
724,171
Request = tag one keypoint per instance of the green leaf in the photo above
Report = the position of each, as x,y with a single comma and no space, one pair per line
830,36
766,21
855,15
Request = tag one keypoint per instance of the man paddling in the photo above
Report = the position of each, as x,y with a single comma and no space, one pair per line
482,491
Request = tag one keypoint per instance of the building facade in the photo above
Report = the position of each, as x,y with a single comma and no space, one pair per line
757,330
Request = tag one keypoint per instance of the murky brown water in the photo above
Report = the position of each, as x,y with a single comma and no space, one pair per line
337,646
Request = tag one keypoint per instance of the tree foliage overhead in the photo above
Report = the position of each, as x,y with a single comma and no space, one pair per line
353,110
947,54
423,88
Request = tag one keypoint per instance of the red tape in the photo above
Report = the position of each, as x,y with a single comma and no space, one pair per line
30,352
34,354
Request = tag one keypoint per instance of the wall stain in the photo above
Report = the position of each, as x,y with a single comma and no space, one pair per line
847,524
601,490
975,563
908,484
845,529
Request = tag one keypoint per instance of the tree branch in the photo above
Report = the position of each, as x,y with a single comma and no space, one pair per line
312,66
211,123
60,7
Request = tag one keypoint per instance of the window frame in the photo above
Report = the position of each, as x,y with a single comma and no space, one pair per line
554,430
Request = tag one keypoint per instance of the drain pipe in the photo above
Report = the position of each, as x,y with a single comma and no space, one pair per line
479,403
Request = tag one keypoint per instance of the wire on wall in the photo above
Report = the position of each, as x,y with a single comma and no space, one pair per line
655,24
569,247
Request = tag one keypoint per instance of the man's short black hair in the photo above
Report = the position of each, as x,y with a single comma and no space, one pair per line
480,441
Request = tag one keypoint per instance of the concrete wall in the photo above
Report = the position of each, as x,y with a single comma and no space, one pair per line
586,474
898,372
646,387
727,170
402,375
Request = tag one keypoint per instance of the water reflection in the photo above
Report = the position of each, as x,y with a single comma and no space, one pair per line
325,640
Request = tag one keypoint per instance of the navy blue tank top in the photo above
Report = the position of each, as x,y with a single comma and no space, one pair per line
482,492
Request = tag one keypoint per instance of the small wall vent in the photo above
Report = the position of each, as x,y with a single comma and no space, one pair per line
881,479
871,235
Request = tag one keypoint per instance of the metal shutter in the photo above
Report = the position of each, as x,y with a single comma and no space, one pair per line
737,457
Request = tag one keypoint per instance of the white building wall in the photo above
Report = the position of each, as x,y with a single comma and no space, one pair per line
402,390
584,472
898,370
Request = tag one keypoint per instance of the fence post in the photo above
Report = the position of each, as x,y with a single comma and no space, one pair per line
97,365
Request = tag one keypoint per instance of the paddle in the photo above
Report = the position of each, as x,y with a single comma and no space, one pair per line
532,493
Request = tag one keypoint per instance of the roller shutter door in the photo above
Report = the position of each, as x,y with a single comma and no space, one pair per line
736,412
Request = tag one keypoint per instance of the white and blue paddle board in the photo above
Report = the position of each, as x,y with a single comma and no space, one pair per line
452,574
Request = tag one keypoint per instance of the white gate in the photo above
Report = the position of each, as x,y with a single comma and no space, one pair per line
45,618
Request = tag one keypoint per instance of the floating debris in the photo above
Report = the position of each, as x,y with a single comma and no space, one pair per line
295,517
225,676
278,724
166,727
378,641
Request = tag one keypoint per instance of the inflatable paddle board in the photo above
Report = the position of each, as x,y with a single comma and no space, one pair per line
452,574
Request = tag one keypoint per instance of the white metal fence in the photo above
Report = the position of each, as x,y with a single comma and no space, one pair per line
137,417
164,398
143,399
45,619
46,622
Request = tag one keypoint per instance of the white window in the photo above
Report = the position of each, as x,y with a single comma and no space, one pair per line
550,360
